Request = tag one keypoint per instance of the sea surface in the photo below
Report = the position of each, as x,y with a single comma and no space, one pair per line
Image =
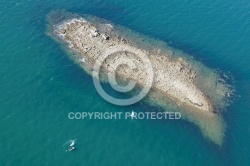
40,85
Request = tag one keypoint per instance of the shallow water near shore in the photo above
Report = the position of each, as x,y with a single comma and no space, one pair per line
40,85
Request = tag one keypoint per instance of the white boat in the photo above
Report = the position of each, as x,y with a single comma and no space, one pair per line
72,143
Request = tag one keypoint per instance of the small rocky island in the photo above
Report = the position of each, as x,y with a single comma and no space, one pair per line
177,83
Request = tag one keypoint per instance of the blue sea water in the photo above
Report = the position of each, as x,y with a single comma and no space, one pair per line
40,85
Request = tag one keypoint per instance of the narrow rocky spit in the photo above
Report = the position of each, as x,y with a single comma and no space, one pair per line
175,81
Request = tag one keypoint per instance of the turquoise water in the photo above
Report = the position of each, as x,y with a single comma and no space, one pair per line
40,86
